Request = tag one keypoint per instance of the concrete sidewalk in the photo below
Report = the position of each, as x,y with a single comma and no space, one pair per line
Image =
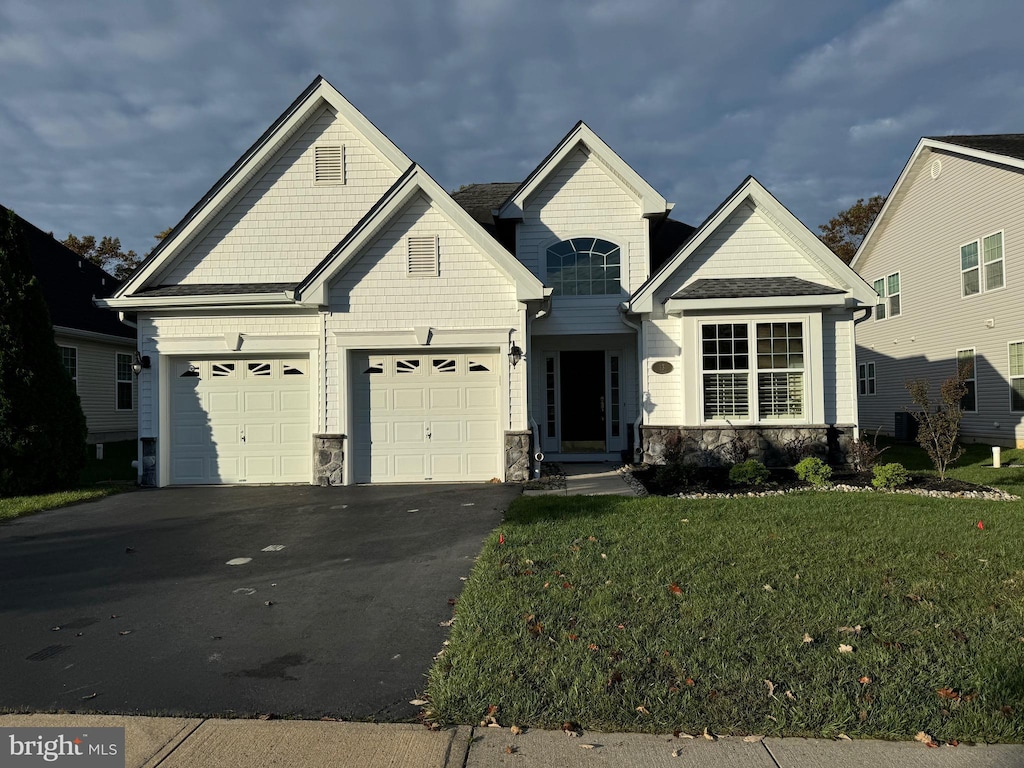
589,480
198,743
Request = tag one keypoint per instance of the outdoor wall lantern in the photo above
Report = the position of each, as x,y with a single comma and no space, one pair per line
515,354
141,362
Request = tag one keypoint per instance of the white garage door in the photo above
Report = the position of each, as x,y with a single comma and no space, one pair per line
427,417
240,421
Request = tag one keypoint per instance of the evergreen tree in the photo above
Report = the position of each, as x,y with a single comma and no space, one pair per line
42,428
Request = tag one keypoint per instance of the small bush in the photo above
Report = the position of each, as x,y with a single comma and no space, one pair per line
814,471
864,455
751,472
889,476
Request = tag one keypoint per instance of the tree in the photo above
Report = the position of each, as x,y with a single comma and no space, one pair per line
159,237
938,423
106,254
846,230
42,429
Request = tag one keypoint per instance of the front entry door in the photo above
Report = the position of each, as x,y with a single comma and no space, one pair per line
583,401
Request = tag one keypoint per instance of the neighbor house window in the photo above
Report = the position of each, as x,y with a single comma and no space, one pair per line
584,266
773,374
866,378
888,289
69,357
966,370
970,273
125,383
992,259
1017,376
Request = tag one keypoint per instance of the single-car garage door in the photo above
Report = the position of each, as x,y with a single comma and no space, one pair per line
426,416
240,421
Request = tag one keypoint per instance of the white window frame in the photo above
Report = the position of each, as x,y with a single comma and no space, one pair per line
623,265
74,378
1001,260
886,306
1010,375
118,381
752,371
866,386
977,268
973,378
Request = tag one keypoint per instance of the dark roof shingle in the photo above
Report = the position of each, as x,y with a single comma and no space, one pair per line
216,289
1008,144
480,199
752,287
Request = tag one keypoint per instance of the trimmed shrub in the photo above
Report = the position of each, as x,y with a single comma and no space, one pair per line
814,471
750,472
890,476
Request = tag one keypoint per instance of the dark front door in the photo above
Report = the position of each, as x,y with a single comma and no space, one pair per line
583,406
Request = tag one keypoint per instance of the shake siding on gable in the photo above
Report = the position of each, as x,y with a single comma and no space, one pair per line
662,337
583,199
376,294
283,225
922,239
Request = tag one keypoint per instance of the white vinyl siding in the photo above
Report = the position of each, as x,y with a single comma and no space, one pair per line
125,387
69,358
96,383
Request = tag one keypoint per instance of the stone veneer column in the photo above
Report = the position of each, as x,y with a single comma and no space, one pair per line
517,456
328,459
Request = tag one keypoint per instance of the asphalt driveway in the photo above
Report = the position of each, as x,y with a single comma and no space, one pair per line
128,604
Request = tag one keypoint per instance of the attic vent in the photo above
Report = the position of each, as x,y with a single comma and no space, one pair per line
329,162
936,168
423,256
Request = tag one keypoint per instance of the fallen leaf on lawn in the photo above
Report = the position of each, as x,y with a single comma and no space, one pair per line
845,648
547,584
515,730
571,729
686,736
947,693
689,682
851,630
710,736
566,585
808,638
510,750
864,680
768,588
790,695
125,632
924,738
574,637
771,688
604,556
417,702
90,696
685,520
591,538
266,716
268,602
642,710
592,647
446,623
587,746
55,629
843,737
326,719
493,725
675,589
953,743
752,739
676,752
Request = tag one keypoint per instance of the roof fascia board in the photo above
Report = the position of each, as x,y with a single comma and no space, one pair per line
314,289
78,333
318,93
278,299
679,306
651,202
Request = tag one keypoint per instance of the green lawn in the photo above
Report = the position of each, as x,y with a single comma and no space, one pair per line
100,477
659,614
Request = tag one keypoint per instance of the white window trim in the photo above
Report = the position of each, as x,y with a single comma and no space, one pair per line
1009,375
866,376
752,370
74,379
118,381
330,183
542,261
974,373
1001,260
886,297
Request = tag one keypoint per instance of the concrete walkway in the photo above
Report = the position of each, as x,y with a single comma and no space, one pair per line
197,743
589,480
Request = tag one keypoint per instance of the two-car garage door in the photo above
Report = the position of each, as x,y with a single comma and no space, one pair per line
432,416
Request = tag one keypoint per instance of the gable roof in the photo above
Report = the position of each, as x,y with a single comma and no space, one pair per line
651,203
318,93
1000,148
313,290
788,225
69,283
752,288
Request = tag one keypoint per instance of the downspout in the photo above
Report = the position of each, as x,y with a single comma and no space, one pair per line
638,327
868,311
858,320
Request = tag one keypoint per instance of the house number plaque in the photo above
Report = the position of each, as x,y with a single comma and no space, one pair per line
662,366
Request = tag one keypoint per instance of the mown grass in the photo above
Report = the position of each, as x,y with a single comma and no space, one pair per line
100,477
660,614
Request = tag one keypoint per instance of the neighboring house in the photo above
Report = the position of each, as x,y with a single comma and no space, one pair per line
945,256
328,313
96,348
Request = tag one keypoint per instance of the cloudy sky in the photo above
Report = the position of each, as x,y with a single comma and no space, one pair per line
116,117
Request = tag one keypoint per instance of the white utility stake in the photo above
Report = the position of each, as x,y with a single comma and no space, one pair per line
997,460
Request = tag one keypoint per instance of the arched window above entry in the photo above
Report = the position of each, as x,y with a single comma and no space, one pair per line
583,266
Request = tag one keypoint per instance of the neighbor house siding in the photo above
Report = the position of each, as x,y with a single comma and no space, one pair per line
921,238
582,198
282,225
97,388
469,294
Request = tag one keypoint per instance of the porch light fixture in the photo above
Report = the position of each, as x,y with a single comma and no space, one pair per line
141,362
515,354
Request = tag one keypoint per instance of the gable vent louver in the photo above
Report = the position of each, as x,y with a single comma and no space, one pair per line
329,164
423,256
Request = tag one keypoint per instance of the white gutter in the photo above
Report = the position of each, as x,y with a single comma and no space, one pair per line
212,301
77,333
641,370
